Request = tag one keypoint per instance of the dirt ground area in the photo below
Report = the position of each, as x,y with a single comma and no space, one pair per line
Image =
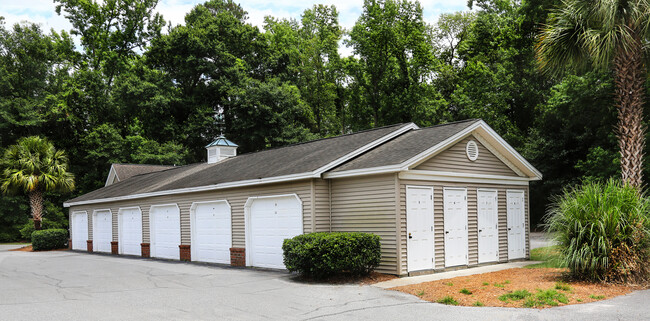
29,248
538,288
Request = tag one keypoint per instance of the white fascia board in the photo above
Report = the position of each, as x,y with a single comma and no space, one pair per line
364,171
365,148
269,180
463,177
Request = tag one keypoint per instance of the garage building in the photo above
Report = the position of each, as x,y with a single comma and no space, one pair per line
441,197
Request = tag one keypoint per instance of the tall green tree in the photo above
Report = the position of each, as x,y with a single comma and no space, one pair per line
606,35
34,167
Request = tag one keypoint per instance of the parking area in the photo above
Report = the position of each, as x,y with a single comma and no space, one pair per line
78,286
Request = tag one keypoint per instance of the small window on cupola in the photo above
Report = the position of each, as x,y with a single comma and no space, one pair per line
221,149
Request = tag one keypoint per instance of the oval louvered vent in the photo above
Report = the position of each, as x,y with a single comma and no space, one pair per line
472,150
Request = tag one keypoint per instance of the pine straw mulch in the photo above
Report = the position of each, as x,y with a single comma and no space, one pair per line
486,288
372,278
29,248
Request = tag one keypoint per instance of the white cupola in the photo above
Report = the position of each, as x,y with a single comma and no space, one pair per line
221,149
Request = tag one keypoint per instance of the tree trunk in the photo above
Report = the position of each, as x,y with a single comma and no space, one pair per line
630,96
36,204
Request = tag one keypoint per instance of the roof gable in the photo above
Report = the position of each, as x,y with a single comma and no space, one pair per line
120,172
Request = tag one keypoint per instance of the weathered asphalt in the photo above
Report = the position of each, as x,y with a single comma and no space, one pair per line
64,285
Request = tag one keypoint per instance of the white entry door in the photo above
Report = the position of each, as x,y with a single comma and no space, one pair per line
102,231
79,229
165,231
456,240
516,225
271,220
129,232
419,226
488,232
211,232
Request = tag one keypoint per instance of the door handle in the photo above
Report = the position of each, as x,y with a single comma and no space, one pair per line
510,228
410,236
480,231
446,232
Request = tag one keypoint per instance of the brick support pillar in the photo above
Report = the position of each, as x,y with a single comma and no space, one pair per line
237,256
145,249
186,254
89,245
114,248
69,244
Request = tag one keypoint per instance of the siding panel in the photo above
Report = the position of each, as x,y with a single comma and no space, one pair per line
367,204
454,159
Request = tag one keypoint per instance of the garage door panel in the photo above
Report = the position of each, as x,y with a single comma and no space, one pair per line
165,231
79,231
102,231
211,232
270,221
130,231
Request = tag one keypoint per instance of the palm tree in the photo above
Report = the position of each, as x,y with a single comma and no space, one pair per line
611,35
34,166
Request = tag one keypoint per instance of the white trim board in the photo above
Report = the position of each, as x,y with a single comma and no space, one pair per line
111,173
463,177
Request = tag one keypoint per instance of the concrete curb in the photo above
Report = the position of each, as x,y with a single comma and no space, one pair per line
451,274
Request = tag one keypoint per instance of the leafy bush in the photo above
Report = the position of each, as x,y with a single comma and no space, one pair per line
320,255
49,239
46,224
603,231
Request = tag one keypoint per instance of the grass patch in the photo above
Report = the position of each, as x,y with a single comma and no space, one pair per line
448,283
478,304
597,297
448,301
465,291
550,257
486,283
421,293
546,297
498,285
515,295
506,282
562,286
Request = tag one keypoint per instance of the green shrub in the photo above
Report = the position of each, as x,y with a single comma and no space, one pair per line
603,232
46,224
49,239
320,255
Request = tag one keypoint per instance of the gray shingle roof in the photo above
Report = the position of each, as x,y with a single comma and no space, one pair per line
405,146
294,159
124,171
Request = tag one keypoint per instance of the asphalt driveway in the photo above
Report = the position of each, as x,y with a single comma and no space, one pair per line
64,285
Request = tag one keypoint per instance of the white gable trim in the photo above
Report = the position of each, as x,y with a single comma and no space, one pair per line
317,173
489,138
112,173
463,177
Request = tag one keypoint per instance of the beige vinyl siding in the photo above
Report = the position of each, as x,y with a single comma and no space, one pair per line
472,217
367,204
321,192
236,197
454,159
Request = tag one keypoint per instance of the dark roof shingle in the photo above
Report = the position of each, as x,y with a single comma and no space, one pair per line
124,171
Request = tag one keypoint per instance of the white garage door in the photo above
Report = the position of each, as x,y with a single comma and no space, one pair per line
165,231
102,231
79,229
129,222
211,236
271,220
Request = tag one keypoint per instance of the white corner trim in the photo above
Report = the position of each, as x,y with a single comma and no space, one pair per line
247,219
463,177
111,173
277,179
193,223
365,148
